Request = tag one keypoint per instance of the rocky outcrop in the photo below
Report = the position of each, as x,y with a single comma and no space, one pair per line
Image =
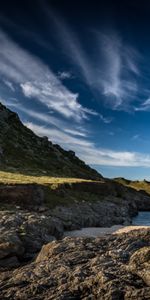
113,267
23,233
104,213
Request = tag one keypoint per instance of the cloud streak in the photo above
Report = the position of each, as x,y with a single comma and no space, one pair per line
111,70
46,119
88,151
64,75
144,106
36,80
118,66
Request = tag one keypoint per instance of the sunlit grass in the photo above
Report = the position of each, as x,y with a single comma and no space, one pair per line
141,185
16,178
137,185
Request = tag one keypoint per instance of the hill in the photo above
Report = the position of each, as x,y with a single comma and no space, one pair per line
23,151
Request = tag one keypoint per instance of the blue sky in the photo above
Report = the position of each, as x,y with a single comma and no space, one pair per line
79,73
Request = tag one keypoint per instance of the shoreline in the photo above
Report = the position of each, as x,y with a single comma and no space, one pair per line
102,231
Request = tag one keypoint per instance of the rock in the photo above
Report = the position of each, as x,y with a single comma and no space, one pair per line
9,263
140,264
11,248
23,233
106,268
96,214
23,195
109,203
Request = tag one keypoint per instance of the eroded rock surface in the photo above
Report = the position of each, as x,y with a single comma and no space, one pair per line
114,267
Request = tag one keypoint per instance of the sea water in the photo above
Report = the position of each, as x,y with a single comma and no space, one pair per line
143,218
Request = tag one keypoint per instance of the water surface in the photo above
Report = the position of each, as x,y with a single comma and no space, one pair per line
143,218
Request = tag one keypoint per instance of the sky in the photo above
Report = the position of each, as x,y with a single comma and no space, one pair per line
78,72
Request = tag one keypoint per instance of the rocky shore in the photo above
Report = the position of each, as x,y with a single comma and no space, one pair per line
113,267
37,262
27,222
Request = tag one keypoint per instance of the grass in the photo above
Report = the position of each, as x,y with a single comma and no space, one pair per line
17,178
141,185
137,185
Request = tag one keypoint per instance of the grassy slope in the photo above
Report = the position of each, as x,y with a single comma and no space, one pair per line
17,178
137,185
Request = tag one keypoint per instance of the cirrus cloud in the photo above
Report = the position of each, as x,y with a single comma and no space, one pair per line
37,80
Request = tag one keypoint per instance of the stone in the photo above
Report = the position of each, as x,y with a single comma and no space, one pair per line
22,195
106,268
140,264
23,233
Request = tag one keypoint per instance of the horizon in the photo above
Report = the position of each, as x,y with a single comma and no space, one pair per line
80,76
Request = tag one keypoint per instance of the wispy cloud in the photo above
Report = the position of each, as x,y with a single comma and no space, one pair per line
71,45
77,140
36,80
58,136
11,102
28,34
64,75
89,152
117,65
111,69
144,106
75,132
9,84
105,120
135,137
46,119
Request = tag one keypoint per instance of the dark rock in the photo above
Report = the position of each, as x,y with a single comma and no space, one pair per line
24,195
9,263
23,233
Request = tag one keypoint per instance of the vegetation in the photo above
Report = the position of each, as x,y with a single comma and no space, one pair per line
137,185
17,178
